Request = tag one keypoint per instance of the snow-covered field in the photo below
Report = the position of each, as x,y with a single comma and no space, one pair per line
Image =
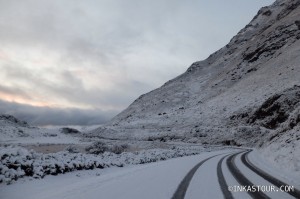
28,152
154,180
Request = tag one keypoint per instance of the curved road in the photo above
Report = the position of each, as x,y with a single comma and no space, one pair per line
231,173
277,188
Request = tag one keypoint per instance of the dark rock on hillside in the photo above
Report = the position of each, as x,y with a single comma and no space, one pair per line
275,110
67,130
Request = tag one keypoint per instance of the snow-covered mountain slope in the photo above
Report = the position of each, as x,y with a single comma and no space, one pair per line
9,120
203,104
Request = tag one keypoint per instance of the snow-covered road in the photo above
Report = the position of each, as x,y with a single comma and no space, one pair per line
208,175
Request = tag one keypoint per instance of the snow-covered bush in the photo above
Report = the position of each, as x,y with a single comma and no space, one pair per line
17,162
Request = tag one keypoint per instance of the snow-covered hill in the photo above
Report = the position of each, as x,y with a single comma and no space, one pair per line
216,100
12,127
14,131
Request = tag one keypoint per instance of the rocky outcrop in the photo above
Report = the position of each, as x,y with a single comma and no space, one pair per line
276,110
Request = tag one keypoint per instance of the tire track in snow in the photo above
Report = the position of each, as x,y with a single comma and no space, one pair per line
181,189
237,174
295,193
222,182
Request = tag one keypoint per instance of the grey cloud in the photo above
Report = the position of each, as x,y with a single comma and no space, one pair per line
73,89
55,116
114,26
119,97
14,91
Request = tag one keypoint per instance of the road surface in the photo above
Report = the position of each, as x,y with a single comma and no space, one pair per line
228,174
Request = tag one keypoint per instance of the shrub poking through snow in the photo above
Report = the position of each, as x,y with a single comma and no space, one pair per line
118,149
72,149
100,147
97,148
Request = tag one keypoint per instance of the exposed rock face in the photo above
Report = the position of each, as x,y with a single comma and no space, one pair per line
243,94
276,110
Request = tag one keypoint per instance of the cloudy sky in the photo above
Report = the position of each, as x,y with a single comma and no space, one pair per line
82,62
